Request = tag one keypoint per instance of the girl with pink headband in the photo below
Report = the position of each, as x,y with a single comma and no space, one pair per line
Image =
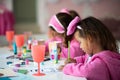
75,49
59,24
102,60
56,29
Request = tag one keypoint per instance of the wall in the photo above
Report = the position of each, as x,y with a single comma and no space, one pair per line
96,8
25,11
100,8
7,3
42,15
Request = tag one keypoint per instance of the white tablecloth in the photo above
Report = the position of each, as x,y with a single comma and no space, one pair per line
48,67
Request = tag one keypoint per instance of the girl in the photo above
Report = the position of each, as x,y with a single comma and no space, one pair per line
102,61
58,25
56,30
75,50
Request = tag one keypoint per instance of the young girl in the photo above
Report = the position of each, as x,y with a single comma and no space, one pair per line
102,61
58,25
75,50
56,30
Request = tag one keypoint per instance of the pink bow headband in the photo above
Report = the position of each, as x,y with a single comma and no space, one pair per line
73,25
65,10
54,22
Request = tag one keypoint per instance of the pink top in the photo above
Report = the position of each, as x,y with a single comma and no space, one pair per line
104,65
75,50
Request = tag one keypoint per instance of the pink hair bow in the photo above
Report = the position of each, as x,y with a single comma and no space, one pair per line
54,22
65,10
72,26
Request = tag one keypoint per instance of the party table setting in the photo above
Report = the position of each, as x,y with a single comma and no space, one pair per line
25,59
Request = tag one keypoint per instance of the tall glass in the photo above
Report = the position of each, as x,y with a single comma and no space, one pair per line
38,53
9,37
28,35
19,39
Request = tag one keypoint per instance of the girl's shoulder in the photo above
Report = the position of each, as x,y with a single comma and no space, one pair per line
54,39
57,38
107,55
75,43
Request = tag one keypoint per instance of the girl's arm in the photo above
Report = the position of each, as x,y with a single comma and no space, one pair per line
81,59
94,69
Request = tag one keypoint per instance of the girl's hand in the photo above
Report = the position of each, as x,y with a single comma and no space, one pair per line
58,50
60,68
70,60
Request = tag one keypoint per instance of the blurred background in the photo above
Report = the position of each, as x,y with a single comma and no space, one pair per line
34,15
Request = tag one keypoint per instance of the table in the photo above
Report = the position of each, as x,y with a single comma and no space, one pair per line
57,75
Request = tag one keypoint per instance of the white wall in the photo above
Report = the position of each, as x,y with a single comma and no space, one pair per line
8,4
41,12
42,15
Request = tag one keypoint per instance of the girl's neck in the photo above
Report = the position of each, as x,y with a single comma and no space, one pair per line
97,48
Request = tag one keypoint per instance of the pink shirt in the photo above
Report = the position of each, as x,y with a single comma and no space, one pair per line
75,50
104,65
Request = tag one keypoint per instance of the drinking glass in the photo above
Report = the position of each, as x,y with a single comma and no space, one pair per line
28,36
19,39
9,38
38,53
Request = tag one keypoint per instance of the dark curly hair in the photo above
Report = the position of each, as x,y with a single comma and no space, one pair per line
94,28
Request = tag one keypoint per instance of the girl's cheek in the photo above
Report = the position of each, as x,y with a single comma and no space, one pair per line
81,46
50,34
